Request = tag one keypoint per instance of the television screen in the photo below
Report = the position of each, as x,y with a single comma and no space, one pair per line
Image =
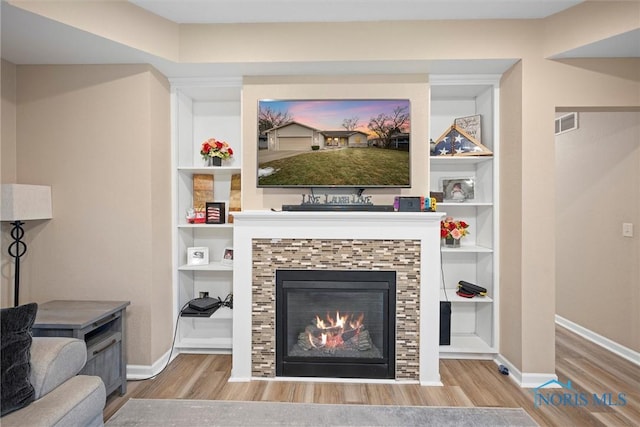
361,143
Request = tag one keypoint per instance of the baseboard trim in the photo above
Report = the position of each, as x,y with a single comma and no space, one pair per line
524,379
604,342
139,372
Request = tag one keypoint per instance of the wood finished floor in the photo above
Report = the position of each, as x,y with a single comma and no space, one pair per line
590,368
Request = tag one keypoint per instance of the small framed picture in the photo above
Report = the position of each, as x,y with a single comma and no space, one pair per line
458,189
227,256
198,255
215,213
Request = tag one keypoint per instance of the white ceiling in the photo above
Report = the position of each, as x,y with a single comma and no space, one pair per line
31,39
237,11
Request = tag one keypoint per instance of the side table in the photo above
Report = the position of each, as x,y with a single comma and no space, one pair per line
100,325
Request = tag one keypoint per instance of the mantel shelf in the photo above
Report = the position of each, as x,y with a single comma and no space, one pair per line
463,204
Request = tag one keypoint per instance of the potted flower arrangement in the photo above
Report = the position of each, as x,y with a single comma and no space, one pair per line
214,151
451,231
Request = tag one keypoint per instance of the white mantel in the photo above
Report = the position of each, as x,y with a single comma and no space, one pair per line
423,226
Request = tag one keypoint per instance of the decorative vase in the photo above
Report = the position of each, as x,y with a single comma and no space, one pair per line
450,242
214,161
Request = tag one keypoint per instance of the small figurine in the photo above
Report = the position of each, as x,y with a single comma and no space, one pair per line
195,216
191,215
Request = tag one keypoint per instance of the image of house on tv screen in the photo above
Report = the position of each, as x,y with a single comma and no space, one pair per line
359,143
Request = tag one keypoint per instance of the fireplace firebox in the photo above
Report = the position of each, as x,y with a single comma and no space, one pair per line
335,324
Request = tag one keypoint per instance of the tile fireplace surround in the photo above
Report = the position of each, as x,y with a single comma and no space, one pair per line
405,242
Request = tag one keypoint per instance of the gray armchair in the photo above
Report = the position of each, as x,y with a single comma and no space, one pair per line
62,398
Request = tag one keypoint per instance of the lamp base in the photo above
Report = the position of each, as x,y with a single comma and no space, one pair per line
17,248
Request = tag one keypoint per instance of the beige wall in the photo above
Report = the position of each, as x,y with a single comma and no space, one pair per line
8,114
589,22
510,215
7,169
527,176
99,135
598,270
67,121
367,41
160,36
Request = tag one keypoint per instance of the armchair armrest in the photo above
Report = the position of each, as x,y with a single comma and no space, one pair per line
55,360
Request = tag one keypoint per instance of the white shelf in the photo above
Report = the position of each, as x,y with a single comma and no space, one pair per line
202,110
459,159
469,344
212,266
453,297
214,170
467,249
223,313
187,225
474,321
204,343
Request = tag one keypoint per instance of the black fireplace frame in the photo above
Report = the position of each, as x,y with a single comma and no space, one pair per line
344,280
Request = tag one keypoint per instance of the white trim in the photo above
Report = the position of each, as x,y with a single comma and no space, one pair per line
526,379
604,342
336,380
535,380
139,372
464,79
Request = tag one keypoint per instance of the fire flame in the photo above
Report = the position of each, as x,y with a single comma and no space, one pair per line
332,329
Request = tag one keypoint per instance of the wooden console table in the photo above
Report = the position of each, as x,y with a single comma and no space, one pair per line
100,325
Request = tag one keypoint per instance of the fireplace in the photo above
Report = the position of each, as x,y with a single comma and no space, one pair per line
335,323
407,243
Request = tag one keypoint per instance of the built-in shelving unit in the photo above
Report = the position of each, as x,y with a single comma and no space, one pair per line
474,322
203,109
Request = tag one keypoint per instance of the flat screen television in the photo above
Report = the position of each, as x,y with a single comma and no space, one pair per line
314,143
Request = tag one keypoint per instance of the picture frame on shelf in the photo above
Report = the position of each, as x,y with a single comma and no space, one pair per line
214,213
460,189
198,255
227,256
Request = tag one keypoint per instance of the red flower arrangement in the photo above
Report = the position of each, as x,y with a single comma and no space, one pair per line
450,228
214,148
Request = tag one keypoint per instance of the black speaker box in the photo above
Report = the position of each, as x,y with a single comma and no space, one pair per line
445,323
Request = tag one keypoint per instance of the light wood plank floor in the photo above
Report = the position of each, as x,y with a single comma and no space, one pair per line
466,383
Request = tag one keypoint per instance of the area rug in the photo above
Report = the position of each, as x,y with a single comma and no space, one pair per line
200,413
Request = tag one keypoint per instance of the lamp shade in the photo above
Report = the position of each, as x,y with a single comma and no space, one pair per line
23,202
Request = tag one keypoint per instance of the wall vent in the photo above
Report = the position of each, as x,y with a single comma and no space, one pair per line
566,123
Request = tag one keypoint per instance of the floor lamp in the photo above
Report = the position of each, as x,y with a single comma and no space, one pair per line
21,202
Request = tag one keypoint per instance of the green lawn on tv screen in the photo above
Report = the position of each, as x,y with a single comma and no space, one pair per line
342,167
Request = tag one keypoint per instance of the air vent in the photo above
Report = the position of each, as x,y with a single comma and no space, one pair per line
566,123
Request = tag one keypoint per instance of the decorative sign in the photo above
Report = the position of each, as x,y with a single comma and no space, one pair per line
235,197
202,190
336,199
471,125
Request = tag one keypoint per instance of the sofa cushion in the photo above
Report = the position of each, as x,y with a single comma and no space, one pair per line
54,360
77,402
16,390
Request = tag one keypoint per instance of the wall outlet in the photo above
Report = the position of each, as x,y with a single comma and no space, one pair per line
627,229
